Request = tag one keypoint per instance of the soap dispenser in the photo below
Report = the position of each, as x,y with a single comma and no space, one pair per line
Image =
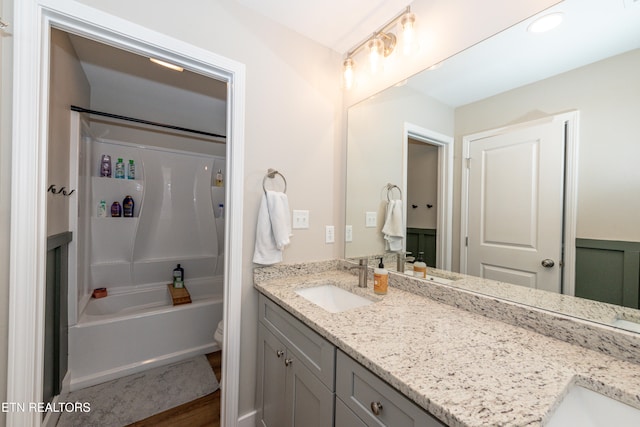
420,267
380,279
178,277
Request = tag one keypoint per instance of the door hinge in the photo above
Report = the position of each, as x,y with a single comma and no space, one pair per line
466,241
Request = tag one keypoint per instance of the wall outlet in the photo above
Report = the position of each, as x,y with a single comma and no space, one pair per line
329,234
300,219
371,219
348,233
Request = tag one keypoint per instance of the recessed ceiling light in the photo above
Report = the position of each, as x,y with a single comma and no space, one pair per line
546,23
166,64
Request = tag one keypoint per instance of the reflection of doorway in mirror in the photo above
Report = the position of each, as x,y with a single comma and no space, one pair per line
423,234
422,196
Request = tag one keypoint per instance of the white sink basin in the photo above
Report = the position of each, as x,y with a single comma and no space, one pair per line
332,298
439,280
585,408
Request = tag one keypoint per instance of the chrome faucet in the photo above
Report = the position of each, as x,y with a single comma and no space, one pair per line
362,272
402,260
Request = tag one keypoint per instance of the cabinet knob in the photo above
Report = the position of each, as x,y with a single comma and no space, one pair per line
288,362
376,408
279,353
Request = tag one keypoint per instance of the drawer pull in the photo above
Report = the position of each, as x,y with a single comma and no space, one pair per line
288,362
376,408
279,353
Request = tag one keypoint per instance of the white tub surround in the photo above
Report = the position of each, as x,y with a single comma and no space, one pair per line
464,368
129,332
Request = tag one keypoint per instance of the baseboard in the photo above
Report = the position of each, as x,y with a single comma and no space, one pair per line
247,420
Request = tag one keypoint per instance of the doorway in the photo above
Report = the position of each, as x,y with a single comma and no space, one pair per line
443,205
28,215
518,204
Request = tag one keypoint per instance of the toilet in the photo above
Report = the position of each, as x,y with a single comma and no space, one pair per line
219,335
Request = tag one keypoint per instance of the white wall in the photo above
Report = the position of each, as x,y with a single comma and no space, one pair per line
69,86
607,94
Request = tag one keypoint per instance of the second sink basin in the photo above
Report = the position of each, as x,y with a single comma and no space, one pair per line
585,408
332,298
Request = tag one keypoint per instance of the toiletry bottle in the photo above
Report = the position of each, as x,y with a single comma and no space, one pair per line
120,169
419,267
380,279
105,166
127,207
219,178
220,210
102,209
116,209
178,277
131,171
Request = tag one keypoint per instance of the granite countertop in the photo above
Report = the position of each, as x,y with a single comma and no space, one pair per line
464,368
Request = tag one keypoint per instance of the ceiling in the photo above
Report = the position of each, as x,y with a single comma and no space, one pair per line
507,60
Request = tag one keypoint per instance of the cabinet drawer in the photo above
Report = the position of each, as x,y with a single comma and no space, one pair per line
362,391
315,352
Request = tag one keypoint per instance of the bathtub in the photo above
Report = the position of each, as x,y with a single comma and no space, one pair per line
129,332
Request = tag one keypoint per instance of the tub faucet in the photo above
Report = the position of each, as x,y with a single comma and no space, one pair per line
362,272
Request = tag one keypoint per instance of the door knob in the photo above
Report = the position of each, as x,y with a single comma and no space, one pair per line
548,263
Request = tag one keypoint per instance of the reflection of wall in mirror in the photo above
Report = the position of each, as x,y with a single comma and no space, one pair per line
607,95
374,153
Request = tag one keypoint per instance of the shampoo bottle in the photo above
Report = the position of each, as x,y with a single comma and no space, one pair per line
116,209
420,267
102,209
105,166
178,277
131,172
127,207
120,169
380,279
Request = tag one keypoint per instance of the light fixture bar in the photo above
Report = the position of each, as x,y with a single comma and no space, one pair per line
166,64
382,29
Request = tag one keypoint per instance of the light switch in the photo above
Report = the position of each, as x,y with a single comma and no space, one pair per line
300,219
371,219
348,233
329,234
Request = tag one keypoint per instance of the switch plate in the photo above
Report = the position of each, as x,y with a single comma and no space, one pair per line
371,219
348,233
329,234
300,219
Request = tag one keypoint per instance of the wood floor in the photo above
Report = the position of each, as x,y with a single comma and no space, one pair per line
202,412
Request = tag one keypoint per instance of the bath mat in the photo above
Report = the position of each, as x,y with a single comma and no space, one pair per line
136,397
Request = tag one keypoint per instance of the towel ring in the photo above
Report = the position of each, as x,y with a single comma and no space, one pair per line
271,173
390,188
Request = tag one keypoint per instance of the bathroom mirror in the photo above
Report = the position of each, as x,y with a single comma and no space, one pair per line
589,64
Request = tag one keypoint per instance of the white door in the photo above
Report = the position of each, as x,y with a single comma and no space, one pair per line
515,204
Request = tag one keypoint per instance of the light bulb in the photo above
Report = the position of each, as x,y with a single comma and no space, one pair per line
348,73
376,48
408,32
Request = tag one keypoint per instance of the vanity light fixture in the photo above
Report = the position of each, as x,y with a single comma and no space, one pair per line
166,64
381,44
546,23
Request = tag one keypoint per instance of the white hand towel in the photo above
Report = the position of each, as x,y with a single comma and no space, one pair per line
273,229
393,228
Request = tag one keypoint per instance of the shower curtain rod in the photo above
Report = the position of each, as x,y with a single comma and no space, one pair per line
145,122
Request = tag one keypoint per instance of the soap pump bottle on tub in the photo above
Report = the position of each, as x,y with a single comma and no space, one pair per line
380,279
178,277
420,267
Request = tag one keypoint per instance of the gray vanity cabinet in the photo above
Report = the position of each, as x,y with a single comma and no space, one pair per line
296,366
363,399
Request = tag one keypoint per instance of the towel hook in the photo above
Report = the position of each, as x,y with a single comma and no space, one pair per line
271,173
390,188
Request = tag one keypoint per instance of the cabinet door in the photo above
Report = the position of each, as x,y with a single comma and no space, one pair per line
345,416
271,380
309,401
